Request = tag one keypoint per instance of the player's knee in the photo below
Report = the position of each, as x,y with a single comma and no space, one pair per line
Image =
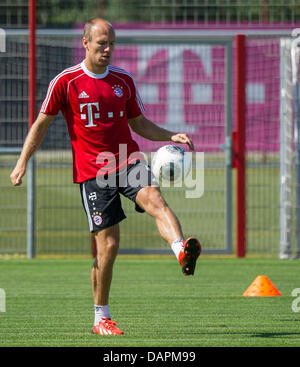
112,247
109,249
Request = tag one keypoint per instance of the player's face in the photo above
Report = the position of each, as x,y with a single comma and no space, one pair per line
101,46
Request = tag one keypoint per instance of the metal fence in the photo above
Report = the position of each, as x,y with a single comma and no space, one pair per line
190,13
183,69
158,67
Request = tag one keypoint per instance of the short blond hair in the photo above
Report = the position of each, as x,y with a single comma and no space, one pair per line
91,23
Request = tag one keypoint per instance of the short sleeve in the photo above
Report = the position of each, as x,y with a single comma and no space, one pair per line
135,105
55,98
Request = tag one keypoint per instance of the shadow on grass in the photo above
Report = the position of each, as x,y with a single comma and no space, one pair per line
250,334
272,335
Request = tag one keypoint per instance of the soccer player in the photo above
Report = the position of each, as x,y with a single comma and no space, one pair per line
101,105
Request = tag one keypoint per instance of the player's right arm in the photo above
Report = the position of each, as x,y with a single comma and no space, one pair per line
53,102
33,140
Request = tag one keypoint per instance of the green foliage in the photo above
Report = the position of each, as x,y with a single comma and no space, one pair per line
65,13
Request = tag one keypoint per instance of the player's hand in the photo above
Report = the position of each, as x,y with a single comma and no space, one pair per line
17,174
183,139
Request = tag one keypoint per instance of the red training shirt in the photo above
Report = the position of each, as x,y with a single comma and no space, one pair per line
96,108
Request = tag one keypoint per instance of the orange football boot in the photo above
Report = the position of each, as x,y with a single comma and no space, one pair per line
189,254
107,327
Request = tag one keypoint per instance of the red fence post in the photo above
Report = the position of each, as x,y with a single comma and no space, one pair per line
31,63
239,159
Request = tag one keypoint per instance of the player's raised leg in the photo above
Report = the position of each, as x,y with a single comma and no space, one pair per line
107,242
187,252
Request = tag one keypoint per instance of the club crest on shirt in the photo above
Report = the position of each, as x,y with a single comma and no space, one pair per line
118,89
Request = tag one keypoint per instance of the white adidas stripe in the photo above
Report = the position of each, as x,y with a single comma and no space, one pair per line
54,81
103,331
78,67
87,207
76,77
51,84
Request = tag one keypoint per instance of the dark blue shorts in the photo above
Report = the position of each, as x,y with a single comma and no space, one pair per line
102,203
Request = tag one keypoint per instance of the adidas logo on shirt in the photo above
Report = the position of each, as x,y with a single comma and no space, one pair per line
83,95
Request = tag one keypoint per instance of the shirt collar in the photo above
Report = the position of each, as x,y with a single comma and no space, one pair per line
93,75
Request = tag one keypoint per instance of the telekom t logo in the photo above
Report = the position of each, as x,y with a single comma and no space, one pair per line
188,75
90,113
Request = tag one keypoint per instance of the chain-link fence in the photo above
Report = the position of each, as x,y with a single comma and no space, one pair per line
195,71
189,74
188,13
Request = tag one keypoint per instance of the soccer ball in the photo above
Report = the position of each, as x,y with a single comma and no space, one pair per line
171,163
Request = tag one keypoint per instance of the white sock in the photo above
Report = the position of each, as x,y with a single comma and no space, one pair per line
101,312
177,246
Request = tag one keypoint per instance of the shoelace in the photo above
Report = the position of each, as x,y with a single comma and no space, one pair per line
110,324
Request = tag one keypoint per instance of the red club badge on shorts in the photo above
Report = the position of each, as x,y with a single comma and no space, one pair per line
97,219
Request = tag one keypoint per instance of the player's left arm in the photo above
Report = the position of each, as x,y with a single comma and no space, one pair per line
149,130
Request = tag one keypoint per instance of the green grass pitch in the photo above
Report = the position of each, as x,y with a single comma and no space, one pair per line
49,303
